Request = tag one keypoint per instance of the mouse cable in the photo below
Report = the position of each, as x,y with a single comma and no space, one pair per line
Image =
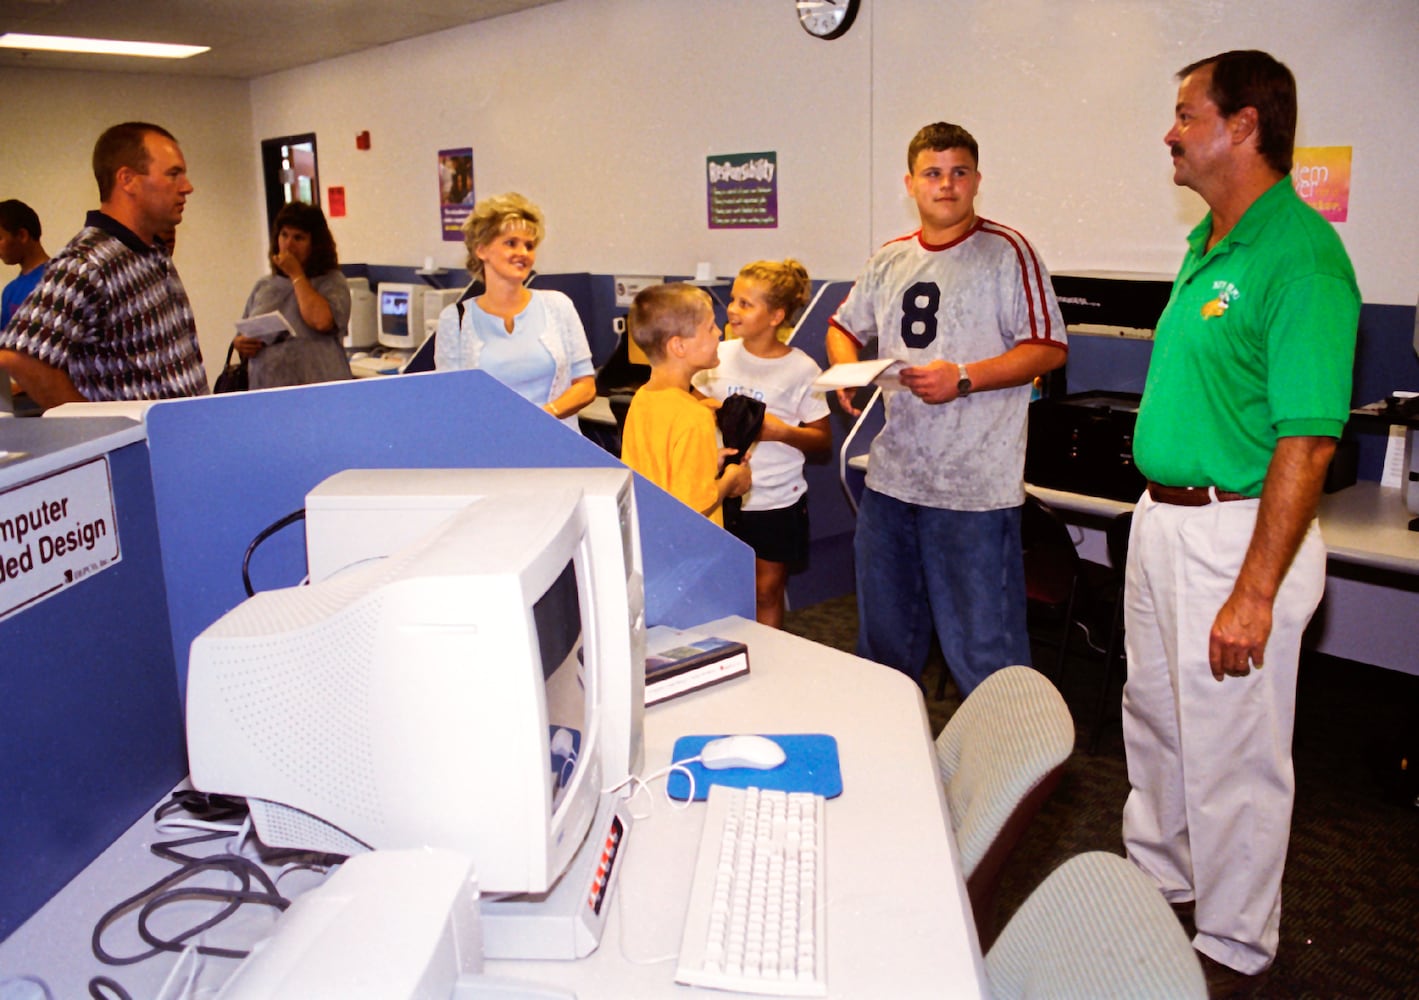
639,784
261,536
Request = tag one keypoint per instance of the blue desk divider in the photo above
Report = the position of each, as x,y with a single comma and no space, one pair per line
225,467
90,724
594,297
831,517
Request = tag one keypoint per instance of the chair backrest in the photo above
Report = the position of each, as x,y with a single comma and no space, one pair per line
858,443
620,405
1096,928
1051,560
423,359
1116,536
1000,755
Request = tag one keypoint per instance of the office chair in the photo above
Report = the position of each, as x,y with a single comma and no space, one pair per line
867,425
1082,594
1000,755
1095,929
1116,537
1053,569
620,403
423,358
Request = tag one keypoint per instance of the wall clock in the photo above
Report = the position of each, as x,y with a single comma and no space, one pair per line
826,18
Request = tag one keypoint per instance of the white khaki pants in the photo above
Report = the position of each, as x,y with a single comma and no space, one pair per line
1209,814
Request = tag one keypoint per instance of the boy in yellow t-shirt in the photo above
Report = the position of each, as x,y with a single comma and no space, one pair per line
669,436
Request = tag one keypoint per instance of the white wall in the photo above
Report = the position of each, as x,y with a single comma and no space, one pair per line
1070,100
51,122
604,110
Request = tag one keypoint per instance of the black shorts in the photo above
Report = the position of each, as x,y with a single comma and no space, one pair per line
779,535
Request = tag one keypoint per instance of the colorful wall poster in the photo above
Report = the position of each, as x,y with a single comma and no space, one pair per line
743,190
1322,178
455,191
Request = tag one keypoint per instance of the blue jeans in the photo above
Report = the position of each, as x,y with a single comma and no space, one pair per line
959,571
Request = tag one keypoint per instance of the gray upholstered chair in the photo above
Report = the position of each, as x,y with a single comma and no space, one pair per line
1001,756
1095,929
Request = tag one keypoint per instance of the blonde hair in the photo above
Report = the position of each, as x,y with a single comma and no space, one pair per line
664,311
785,284
494,216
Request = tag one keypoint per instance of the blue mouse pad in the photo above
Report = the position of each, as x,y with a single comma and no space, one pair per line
811,765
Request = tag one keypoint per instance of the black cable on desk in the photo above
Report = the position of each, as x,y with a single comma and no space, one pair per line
104,988
261,536
160,893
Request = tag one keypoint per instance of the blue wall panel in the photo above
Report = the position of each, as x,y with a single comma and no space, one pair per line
225,467
91,728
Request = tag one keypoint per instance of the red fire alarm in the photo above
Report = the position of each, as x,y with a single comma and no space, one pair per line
362,139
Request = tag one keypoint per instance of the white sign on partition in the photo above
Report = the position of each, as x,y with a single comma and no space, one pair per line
54,532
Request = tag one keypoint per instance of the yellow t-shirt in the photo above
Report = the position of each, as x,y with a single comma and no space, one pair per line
669,438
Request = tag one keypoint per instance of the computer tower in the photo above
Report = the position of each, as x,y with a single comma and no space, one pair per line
1083,443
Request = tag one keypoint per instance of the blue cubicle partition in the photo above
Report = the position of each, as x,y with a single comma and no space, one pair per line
453,277
594,296
832,518
90,724
225,467
1385,360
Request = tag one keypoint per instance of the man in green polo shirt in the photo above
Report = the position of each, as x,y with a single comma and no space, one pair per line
1247,391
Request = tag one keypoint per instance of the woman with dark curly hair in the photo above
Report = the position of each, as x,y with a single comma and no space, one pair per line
306,287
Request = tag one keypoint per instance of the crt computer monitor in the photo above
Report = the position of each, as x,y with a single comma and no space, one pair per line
400,315
454,694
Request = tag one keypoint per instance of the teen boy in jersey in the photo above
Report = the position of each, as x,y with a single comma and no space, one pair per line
967,304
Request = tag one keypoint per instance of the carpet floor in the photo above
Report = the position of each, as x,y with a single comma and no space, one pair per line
1350,913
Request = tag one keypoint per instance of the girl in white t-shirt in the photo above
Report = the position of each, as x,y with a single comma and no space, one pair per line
754,361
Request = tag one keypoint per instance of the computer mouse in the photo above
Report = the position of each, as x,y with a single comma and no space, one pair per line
359,355
757,752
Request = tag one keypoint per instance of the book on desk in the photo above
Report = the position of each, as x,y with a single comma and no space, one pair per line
678,662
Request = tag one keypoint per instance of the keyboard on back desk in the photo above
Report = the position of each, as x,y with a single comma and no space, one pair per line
757,904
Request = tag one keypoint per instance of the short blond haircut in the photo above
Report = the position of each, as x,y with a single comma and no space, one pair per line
494,216
664,311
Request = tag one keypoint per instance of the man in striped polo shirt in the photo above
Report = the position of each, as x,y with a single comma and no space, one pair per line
110,319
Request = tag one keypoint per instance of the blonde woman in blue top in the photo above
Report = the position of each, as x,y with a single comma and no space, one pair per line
530,340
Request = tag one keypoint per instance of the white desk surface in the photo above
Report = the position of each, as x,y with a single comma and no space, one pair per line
1365,524
899,923
1080,503
1368,524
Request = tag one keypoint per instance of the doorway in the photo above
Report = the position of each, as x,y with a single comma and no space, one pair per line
288,166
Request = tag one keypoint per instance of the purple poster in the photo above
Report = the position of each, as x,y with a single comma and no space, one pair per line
455,191
743,190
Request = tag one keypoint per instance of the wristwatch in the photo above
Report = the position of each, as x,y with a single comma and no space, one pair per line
963,380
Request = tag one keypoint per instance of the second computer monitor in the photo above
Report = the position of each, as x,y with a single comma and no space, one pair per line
400,315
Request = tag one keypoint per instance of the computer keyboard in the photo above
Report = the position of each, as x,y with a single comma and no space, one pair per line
371,365
757,904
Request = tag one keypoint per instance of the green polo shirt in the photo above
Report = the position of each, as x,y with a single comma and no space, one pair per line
1257,343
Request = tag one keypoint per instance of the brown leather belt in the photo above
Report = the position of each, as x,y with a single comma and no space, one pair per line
1190,496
